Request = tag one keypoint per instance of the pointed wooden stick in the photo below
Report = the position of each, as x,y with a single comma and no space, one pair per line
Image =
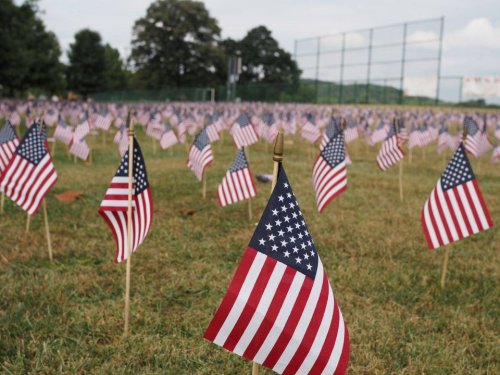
277,158
396,124
47,230
129,222
28,219
445,266
204,188
2,202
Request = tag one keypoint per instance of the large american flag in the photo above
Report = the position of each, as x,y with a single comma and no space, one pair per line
30,173
456,208
114,206
391,152
200,154
329,172
279,310
8,145
237,184
243,132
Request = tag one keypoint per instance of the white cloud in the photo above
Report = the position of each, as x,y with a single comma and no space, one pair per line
478,33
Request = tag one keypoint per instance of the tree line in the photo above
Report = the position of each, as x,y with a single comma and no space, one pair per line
176,44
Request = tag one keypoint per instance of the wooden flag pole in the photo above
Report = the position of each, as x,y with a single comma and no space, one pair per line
245,150
277,158
445,266
129,221
396,123
204,188
47,230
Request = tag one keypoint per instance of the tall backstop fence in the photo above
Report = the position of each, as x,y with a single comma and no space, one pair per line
404,56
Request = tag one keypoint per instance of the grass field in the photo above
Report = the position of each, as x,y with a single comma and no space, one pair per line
67,316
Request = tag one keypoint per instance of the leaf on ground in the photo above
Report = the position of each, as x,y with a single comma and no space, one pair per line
69,196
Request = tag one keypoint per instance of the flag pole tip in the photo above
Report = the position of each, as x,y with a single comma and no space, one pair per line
278,147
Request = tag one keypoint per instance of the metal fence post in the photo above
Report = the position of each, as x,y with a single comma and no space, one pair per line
318,47
342,54
403,57
438,84
369,67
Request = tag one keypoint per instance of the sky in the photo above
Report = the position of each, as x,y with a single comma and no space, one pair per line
471,44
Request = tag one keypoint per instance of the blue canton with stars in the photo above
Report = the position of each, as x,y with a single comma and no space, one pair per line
392,131
32,147
334,152
139,169
7,133
282,232
201,141
333,128
239,163
470,125
458,171
243,120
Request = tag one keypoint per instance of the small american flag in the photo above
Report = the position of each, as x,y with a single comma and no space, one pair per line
310,132
30,174
82,129
168,138
331,130
473,139
391,152
243,132
200,154
8,145
329,172
63,132
495,156
237,184
102,119
279,310
212,129
268,128
380,132
80,149
456,208
351,132
51,116
114,206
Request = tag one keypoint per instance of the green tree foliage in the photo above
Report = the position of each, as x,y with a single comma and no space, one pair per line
87,63
263,60
115,73
30,54
176,44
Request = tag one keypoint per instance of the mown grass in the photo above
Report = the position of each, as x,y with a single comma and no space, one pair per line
67,316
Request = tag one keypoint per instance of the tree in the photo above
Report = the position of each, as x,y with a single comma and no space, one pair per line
176,44
30,55
263,60
115,75
87,63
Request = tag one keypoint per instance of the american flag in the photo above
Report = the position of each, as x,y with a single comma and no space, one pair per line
455,208
102,119
63,132
82,129
268,129
243,132
495,156
212,129
473,138
15,118
443,139
280,310
331,130
51,116
8,145
403,132
380,132
30,174
237,184
168,138
200,154
310,132
351,131
80,149
391,152
329,172
114,206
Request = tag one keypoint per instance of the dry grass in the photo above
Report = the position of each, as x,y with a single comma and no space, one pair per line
66,316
